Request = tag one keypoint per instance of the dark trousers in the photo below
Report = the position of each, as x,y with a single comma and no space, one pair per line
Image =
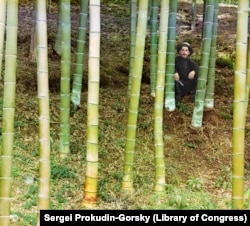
185,88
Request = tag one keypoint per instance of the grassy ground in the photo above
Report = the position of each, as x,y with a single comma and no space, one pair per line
198,161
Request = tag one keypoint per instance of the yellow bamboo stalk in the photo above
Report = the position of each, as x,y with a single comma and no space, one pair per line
127,183
91,179
247,97
159,187
248,75
43,107
8,112
2,31
133,20
239,116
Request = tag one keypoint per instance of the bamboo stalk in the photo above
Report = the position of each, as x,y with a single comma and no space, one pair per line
64,146
153,45
209,96
57,45
159,187
43,107
8,112
79,64
239,116
193,15
91,179
127,183
204,62
170,64
2,32
133,21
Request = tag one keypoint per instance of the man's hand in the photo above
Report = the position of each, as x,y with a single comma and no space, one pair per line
191,74
176,76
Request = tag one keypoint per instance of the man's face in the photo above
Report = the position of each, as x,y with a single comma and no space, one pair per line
184,52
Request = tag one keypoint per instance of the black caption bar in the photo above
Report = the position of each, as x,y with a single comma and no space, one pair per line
144,217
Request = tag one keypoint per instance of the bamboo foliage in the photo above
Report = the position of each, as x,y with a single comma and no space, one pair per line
204,62
43,107
8,112
91,179
159,187
153,45
127,183
2,31
170,65
64,146
79,64
239,105
209,96
133,21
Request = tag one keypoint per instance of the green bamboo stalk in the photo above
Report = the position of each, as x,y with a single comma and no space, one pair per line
133,21
2,32
239,116
153,45
209,96
8,112
159,187
64,146
43,108
91,179
57,45
127,183
170,66
193,15
205,54
79,64
204,16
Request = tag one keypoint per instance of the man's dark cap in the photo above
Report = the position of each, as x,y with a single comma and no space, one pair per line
186,44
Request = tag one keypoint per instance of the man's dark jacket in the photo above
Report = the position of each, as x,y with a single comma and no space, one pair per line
184,66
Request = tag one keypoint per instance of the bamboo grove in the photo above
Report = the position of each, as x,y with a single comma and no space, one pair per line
162,15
